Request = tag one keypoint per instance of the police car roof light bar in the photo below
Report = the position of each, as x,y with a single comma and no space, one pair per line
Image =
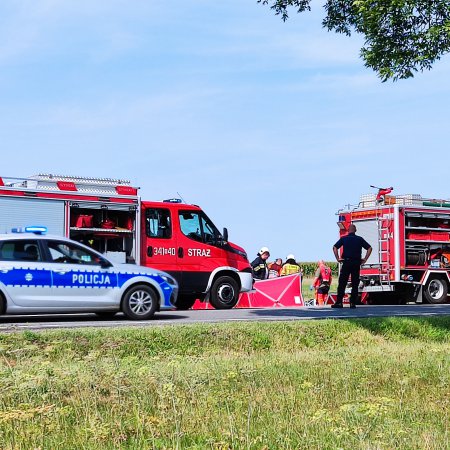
36,229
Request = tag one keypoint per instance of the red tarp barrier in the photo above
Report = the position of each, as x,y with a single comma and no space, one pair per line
274,292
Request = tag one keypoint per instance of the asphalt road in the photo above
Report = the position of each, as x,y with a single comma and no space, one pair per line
45,322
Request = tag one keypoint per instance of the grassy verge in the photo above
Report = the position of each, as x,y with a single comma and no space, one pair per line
369,384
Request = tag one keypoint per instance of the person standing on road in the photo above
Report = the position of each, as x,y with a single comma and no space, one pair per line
322,283
259,265
352,246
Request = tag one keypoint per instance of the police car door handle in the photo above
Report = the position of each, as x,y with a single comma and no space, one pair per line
60,271
180,252
4,269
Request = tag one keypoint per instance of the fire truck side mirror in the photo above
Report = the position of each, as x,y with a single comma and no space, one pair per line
225,235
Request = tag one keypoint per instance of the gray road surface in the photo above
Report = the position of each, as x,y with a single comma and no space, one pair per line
45,322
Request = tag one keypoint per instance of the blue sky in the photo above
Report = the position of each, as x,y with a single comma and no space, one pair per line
271,127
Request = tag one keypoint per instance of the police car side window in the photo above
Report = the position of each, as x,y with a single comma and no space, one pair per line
20,250
65,252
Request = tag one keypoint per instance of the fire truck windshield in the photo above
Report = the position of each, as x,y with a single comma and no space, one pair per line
197,226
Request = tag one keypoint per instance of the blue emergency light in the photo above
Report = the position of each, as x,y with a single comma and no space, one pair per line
36,229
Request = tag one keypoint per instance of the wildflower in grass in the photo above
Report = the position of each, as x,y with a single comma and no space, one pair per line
231,375
168,388
306,385
320,415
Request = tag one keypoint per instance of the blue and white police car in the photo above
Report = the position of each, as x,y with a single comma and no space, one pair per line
50,274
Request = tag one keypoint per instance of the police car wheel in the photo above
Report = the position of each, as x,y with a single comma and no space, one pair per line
140,302
224,293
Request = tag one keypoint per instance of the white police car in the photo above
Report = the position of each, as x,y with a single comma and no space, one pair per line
49,274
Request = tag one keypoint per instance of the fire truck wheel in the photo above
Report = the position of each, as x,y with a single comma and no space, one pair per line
106,314
185,302
224,293
140,302
436,290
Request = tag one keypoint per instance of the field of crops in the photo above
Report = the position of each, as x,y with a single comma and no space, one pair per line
309,268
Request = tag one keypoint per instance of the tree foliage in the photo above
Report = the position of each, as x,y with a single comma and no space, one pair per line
401,36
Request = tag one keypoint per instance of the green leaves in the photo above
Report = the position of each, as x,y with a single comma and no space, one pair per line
280,6
401,36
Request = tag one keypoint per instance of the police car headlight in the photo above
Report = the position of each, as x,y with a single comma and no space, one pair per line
169,280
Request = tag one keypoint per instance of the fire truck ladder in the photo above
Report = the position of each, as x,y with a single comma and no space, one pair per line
384,267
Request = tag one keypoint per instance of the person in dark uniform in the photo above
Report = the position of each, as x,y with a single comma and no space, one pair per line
259,265
351,263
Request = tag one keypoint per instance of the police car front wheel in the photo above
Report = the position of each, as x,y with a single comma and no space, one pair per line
139,302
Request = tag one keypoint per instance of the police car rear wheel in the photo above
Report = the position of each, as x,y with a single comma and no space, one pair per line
224,293
139,302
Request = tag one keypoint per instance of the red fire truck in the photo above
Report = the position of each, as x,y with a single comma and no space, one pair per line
109,216
410,238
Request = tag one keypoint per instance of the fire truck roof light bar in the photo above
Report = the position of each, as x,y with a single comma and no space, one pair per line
77,179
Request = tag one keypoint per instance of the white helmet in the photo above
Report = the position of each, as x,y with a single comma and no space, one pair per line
290,256
263,250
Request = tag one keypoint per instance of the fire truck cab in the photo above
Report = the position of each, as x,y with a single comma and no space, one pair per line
410,238
108,216
182,240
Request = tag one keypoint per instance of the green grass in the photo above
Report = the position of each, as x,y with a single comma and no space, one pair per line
372,384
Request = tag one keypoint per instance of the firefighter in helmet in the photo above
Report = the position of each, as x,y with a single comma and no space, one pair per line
259,265
290,266
322,283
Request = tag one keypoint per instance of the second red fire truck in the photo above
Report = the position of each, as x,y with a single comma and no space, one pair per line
410,238
109,216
